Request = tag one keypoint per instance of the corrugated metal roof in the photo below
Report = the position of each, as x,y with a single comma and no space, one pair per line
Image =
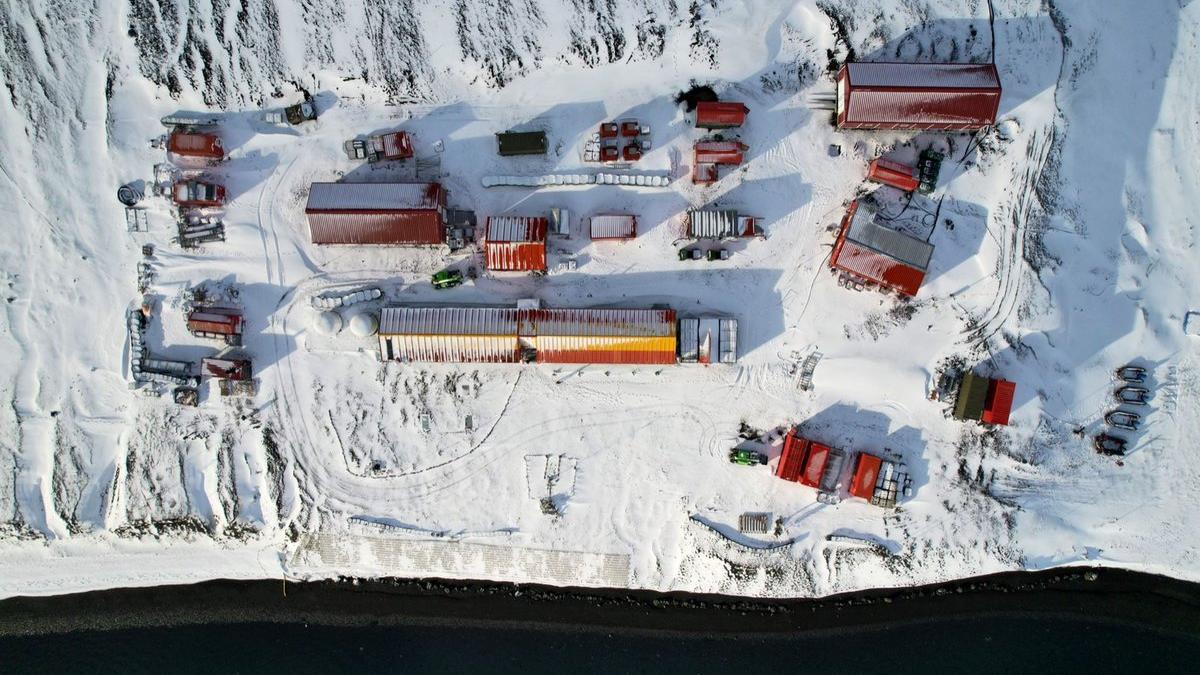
373,196
999,402
420,227
900,176
609,349
720,114
448,321
866,471
713,224
718,152
397,145
515,256
920,109
972,397
606,322
728,350
195,145
613,227
924,75
689,347
516,228
863,230
877,267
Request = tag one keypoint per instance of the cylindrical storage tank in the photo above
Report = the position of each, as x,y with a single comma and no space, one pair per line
364,324
328,322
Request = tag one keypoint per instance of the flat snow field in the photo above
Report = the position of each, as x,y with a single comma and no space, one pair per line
1065,247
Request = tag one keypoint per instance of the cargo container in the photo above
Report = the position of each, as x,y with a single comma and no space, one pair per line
708,339
512,143
613,226
197,194
984,399
721,224
895,174
809,463
195,145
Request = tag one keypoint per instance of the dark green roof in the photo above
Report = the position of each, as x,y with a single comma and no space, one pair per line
522,143
972,396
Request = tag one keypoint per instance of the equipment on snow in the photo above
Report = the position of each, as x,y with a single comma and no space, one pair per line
1121,419
1132,395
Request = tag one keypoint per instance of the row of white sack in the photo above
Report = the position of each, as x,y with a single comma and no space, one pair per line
642,180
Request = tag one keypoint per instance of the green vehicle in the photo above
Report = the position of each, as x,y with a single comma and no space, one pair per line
928,167
747,457
447,279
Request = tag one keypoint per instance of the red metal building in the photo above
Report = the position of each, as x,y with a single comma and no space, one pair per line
708,155
809,463
866,475
505,335
895,174
376,213
942,96
999,402
515,244
197,145
877,254
720,114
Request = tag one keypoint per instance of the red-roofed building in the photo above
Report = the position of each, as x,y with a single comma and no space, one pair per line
999,402
515,244
895,174
720,114
809,463
376,213
197,145
877,254
866,474
918,96
708,155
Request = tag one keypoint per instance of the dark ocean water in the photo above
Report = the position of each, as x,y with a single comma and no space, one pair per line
988,644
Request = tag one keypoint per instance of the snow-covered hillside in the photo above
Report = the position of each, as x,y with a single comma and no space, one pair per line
1065,246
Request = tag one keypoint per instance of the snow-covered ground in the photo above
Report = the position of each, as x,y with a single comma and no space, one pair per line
1065,247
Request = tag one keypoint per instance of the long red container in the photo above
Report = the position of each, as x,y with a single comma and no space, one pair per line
895,174
376,213
205,146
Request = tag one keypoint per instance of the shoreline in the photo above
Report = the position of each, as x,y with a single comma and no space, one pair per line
1102,595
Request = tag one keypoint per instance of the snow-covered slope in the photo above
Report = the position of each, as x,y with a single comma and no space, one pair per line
1064,244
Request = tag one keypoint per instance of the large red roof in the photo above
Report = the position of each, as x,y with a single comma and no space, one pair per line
999,402
720,114
943,96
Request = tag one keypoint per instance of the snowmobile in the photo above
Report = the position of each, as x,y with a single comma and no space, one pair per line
1113,446
1133,395
1132,374
1120,419
747,457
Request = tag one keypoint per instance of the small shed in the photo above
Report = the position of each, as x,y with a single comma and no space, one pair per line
878,254
195,144
984,400
515,244
376,213
612,226
720,114
393,146
721,224
900,176
513,143
917,96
